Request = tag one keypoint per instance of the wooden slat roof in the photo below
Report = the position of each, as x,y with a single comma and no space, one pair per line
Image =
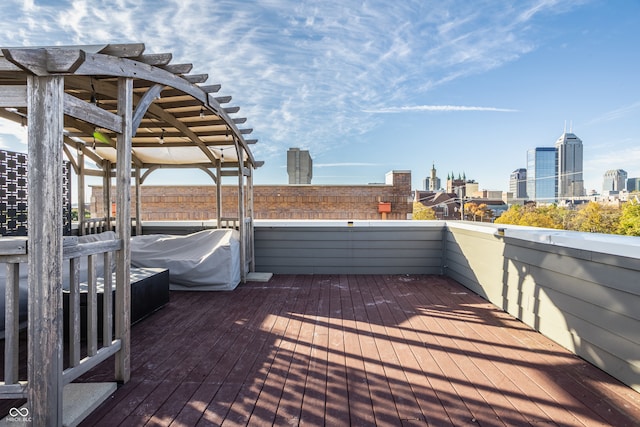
179,121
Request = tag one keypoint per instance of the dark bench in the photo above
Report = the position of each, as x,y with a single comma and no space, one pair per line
149,292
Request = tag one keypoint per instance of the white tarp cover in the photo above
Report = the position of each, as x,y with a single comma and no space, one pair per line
206,260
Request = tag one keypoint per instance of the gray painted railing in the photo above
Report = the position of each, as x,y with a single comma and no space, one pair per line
581,290
357,247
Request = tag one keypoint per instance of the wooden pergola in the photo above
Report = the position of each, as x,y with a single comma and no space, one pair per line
129,113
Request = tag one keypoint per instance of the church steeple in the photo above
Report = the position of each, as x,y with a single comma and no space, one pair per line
433,179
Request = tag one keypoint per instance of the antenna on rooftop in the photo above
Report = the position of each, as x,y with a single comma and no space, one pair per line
571,126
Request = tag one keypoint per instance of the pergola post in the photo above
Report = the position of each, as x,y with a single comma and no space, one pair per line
106,193
123,229
242,227
45,112
252,260
138,203
219,194
81,193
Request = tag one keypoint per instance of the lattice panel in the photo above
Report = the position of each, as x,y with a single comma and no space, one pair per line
13,194
66,198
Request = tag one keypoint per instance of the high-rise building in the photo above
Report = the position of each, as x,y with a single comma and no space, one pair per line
569,166
542,185
518,183
299,166
614,180
432,183
633,184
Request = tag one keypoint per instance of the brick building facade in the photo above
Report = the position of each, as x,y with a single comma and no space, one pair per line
198,203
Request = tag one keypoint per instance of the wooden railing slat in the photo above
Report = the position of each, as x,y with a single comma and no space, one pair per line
97,352
74,312
92,307
86,364
12,323
107,302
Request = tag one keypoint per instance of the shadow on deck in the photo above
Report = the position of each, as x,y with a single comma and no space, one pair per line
353,350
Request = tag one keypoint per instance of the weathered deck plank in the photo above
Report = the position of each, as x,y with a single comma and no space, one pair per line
359,350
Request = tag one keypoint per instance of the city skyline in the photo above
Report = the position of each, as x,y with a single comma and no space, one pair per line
563,163
369,87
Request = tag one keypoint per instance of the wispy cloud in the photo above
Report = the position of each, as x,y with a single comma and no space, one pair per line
345,164
12,131
616,114
439,108
623,154
302,70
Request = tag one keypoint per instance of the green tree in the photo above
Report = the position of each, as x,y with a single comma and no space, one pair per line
596,218
511,215
539,218
74,214
545,216
422,212
477,210
560,216
629,222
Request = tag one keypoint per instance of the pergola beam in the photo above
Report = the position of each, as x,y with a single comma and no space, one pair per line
197,78
90,113
123,50
143,105
45,61
13,116
205,168
210,88
155,58
14,96
87,129
80,146
178,68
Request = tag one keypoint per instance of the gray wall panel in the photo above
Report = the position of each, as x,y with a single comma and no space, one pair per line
408,249
611,271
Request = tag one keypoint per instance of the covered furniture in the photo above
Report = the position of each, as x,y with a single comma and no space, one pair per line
206,260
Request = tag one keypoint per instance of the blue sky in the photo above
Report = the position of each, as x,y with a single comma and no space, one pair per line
373,86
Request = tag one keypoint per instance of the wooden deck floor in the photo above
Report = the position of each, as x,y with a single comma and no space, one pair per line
353,350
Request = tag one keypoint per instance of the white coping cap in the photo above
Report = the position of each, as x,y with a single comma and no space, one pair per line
626,246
